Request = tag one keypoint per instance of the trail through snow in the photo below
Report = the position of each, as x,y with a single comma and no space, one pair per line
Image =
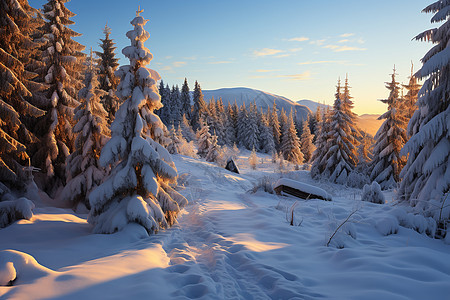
229,244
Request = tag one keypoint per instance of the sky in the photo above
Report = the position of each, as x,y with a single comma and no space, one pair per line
292,48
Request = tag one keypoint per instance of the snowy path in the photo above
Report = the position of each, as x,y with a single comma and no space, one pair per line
229,244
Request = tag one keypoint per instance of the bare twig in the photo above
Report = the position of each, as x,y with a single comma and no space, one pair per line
342,224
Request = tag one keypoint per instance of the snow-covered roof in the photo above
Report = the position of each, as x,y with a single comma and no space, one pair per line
309,189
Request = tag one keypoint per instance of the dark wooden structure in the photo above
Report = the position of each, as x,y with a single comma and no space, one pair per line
231,166
297,193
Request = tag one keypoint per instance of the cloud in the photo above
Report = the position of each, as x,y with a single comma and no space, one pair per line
220,62
345,35
337,48
266,52
295,49
297,77
178,64
321,62
283,55
258,77
298,39
343,41
318,42
264,71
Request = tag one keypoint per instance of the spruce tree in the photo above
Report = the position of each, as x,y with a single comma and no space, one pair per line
186,129
83,170
175,109
275,124
251,131
138,190
319,155
306,141
341,158
199,109
18,93
408,105
63,59
203,139
107,80
365,154
390,138
175,142
426,176
266,143
213,150
185,99
290,143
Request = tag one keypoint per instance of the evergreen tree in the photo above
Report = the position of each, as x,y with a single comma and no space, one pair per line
186,129
241,125
266,143
306,145
203,139
63,59
163,112
365,154
253,159
107,80
221,120
213,150
251,131
175,142
175,101
318,120
408,105
342,156
199,109
185,99
18,93
83,170
290,143
275,124
319,155
231,125
390,138
137,191
426,176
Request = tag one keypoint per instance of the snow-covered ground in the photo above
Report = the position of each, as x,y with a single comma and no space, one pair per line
230,244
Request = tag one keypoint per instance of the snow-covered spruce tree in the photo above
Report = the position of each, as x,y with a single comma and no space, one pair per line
426,177
390,138
253,159
319,155
231,124
290,143
163,112
213,154
408,105
221,119
266,143
185,99
341,158
63,59
306,145
186,129
107,80
137,191
83,170
250,135
365,154
17,24
275,125
175,142
175,109
199,108
203,139
241,125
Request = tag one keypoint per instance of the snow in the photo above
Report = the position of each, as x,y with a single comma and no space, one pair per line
310,189
231,244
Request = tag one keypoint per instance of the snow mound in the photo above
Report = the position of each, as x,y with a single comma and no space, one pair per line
19,267
372,193
387,225
309,189
11,211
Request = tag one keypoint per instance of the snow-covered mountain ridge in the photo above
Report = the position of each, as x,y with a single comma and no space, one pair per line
263,99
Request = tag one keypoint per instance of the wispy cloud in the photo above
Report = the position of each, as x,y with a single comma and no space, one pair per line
298,39
321,62
337,48
264,71
344,41
345,35
266,52
297,77
178,64
295,49
318,42
283,55
220,62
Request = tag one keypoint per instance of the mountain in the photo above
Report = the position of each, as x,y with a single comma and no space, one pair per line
312,105
369,123
263,99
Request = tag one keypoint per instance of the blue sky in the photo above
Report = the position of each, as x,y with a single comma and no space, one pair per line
296,49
